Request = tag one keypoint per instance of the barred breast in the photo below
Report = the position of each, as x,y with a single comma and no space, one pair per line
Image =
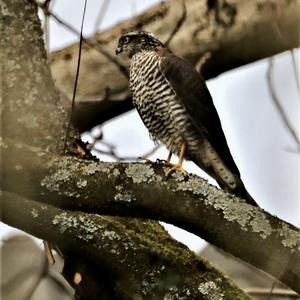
158,105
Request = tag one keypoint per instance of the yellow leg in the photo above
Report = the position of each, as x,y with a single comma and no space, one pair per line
178,166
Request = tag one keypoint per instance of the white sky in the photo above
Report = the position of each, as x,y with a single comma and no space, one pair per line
260,144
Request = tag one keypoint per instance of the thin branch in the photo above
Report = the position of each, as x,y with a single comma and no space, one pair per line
89,42
178,24
102,11
278,105
76,80
270,293
283,293
112,153
295,69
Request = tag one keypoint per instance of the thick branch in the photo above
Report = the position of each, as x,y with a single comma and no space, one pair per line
27,89
137,260
235,33
141,190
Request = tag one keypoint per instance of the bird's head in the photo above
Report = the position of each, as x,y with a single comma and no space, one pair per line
136,41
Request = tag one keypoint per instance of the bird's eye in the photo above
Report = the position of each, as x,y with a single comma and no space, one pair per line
126,40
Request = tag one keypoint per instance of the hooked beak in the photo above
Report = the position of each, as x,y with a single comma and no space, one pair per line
119,50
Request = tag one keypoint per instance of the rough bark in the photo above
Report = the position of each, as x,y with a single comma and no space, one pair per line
142,190
234,32
130,251
33,172
147,263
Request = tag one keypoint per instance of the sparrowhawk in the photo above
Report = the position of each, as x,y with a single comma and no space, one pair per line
177,108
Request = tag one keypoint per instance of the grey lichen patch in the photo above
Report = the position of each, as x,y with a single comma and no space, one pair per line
66,169
291,238
260,224
139,172
52,182
178,176
248,217
158,178
210,290
116,172
123,195
175,293
81,183
111,235
195,185
96,167
91,168
34,213
87,228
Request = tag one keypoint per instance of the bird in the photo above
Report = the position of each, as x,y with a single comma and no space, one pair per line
176,106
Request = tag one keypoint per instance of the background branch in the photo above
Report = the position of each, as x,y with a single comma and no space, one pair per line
229,45
279,107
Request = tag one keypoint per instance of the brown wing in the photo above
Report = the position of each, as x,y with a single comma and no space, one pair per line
194,95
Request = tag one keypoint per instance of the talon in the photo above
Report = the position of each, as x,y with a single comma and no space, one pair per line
175,168
178,166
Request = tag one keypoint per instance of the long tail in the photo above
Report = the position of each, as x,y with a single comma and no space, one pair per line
241,192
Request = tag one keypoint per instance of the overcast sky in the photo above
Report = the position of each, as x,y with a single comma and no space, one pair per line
261,146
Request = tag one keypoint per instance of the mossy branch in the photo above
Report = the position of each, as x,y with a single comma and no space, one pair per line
142,190
136,260
31,167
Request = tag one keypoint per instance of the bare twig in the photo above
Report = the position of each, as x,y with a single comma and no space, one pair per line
112,152
101,14
270,293
178,24
76,79
278,105
89,42
276,292
295,69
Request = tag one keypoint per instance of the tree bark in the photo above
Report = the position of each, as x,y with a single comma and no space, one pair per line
131,252
142,190
233,32
135,259
40,187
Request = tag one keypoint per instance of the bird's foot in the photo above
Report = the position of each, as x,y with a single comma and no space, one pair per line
177,167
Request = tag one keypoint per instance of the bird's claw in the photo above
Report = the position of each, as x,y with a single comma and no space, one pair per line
177,167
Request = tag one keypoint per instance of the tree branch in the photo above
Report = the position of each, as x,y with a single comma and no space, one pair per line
234,34
138,259
142,190
32,168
